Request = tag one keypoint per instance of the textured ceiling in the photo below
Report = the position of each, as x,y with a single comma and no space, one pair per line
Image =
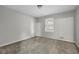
32,10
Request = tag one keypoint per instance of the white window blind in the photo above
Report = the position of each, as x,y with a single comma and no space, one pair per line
49,25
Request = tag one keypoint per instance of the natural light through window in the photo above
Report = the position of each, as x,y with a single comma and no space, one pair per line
49,25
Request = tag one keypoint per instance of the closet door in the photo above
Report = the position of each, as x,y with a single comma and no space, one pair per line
65,28
37,29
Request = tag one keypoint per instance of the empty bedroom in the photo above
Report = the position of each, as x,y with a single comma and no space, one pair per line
39,29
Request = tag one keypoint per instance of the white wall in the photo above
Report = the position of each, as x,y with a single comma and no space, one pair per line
64,26
77,27
14,26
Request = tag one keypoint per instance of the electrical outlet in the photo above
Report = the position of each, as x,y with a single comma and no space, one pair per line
62,37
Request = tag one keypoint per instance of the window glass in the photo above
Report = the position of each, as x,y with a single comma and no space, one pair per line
49,25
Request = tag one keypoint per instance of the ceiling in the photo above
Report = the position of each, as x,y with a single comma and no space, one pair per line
32,10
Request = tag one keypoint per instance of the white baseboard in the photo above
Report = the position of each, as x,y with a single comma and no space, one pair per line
31,37
16,41
61,39
68,40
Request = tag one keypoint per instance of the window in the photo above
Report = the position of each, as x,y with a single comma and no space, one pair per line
49,25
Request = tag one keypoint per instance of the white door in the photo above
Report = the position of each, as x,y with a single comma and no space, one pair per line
37,29
65,29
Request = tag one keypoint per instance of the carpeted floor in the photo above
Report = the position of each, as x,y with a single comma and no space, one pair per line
40,45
